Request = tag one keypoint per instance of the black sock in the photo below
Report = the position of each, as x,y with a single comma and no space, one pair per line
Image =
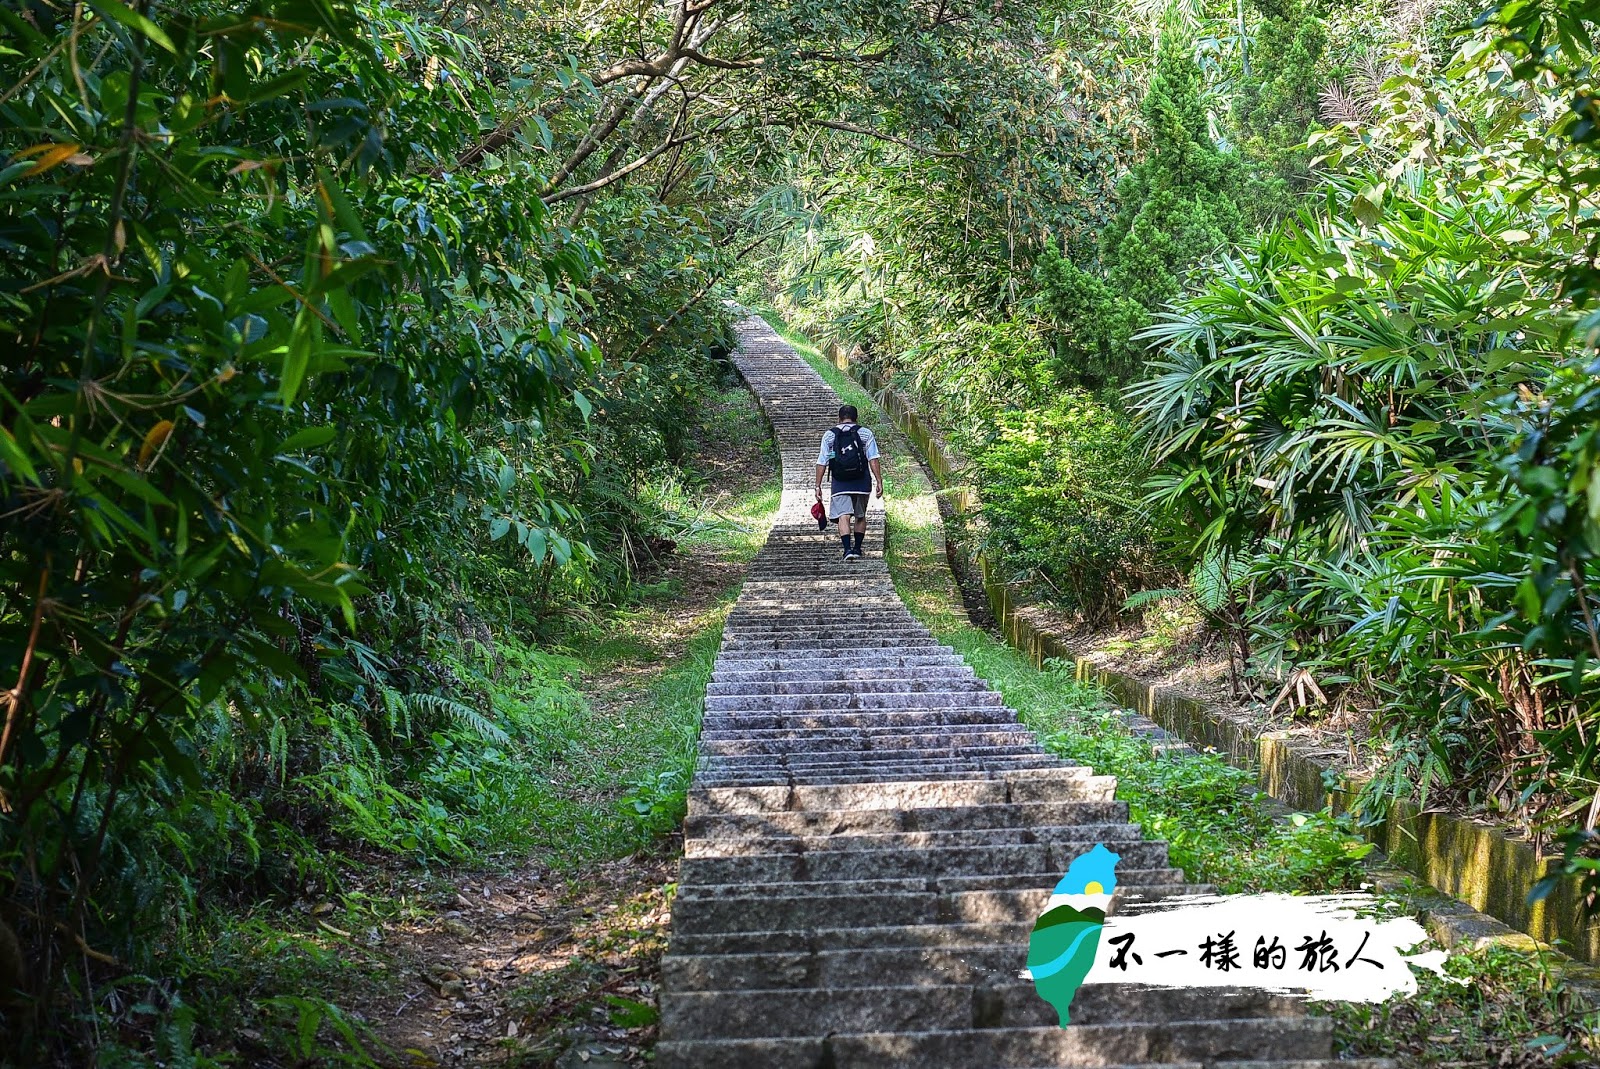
844,540
859,536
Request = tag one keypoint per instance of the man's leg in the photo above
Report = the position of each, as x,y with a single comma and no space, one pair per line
860,522
844,534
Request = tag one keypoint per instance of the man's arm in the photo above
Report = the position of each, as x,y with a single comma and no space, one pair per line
877,476
822,460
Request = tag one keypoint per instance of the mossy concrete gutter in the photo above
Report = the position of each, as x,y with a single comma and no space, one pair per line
1476,863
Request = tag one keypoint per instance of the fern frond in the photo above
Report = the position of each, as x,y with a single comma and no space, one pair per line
1149,597
464,715
1338,104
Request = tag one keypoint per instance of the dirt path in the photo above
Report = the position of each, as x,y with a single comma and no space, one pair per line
534,967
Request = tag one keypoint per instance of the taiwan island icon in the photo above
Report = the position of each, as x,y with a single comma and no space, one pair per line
1066,936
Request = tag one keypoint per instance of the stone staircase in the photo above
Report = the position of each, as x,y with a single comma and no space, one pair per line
871,834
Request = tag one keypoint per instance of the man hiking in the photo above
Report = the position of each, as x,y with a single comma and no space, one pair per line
850,452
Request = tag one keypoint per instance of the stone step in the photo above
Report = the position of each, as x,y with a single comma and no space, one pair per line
802,906
803,727
1138,882
967,772
1197,1043
756,599
829,633
861,773
853,822
1001,760
882,738
1083,835
973,771
823,607
830,749
953,934
807,660
892,675
909,683
712,778
827,743
873,763
921,640
860,699
1076,784
994,1001
814,866
814,720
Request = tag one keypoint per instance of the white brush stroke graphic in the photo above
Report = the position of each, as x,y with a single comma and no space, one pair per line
1335,947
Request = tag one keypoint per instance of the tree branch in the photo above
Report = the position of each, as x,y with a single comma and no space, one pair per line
672,142
865,131
726,64
690,303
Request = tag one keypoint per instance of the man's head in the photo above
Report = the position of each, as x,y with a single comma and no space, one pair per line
847,413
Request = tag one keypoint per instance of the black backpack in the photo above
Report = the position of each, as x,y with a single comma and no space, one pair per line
849,455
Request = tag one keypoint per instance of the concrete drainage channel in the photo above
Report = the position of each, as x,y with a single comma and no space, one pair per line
871,835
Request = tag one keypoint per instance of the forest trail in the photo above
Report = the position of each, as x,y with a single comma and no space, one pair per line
871,835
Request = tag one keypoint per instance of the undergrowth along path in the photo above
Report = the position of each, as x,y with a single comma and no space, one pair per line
547,954
1505,1006
872,832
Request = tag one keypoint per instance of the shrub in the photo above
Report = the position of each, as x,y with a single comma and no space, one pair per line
1059,487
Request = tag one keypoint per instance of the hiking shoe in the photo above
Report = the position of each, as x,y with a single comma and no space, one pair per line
852,555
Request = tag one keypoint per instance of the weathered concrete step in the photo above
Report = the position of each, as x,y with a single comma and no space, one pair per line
825,657
874,738
750,845
827,563
801,598
904,862
1197,1043
947,682
890,676
1088,816
996,1001
1073,782
845,759
930,737
900,743
824,607
968,772
834,969
856,699
1137,882
911,936
800,776
828,748
878,747
821,608
834,632
842,628
975,771
815,905
808,663
816,720
818,643
865,764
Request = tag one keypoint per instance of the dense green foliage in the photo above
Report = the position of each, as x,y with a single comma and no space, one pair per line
1343,313
355,352
299,418
1059,484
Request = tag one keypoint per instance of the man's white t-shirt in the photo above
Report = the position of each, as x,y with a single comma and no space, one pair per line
868,442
